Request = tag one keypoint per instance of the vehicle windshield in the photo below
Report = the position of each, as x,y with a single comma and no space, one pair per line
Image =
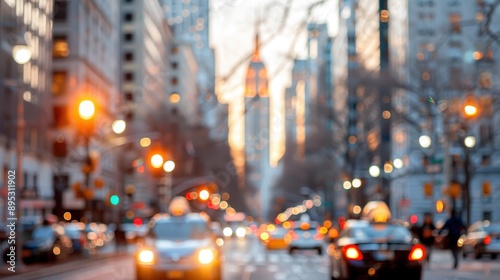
386,232
181,230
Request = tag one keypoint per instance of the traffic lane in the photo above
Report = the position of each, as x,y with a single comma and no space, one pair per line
243,260
250,260
279,265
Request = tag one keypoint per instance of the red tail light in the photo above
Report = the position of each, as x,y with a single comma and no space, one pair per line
487,240
417,253
351,252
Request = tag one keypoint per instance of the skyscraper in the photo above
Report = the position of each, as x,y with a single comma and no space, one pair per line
257,131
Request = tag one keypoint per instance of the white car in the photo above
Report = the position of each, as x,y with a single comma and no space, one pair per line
306,237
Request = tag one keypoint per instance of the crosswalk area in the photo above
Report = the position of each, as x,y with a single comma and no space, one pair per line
275,262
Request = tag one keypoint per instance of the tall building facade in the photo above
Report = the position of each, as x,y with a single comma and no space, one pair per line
85,66
441,50
31,20
189,21
257,133
362,66
146,83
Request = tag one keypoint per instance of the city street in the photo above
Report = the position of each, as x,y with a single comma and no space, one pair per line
248,260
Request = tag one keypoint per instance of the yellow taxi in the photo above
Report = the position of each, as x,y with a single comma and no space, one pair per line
179,245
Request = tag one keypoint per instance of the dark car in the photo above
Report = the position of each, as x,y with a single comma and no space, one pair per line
482,238
179,246
376,249
47,242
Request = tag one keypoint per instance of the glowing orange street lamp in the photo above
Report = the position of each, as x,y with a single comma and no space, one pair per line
470,106
156,161
86,110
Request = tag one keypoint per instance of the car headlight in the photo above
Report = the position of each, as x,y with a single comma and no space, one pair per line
227,232
146,256
205,256
241,232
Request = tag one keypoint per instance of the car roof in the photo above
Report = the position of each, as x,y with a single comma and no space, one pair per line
166,218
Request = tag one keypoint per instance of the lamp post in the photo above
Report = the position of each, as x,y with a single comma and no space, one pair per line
21,53
470,111
86,112
168,167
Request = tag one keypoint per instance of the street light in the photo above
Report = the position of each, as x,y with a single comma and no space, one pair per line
356,183
470,141
156,161
169,166
398,163
425,141
21,53
374,171
86,112
119,126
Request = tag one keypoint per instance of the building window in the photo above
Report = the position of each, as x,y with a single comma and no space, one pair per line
129,17
129,37
487,215
485,160
128,77
486,134
59,82
129,56
129,96
35,181
60,10
455,23
60,116
60,47
485,80
25,180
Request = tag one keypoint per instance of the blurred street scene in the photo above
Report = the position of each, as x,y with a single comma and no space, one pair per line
266,139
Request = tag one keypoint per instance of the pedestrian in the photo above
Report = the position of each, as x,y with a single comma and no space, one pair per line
425,234
120,238
455,227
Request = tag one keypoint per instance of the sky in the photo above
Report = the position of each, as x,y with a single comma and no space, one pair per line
232,33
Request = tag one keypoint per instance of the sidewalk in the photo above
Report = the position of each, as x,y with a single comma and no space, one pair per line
49,268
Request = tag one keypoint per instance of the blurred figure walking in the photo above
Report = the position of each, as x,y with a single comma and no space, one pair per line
425,234
455,227
120,239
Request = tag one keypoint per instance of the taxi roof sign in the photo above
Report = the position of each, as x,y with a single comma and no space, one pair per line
179,206
376,211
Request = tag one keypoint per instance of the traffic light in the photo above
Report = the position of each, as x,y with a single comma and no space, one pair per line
204,195
114,199
486,188
428,189
86,110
